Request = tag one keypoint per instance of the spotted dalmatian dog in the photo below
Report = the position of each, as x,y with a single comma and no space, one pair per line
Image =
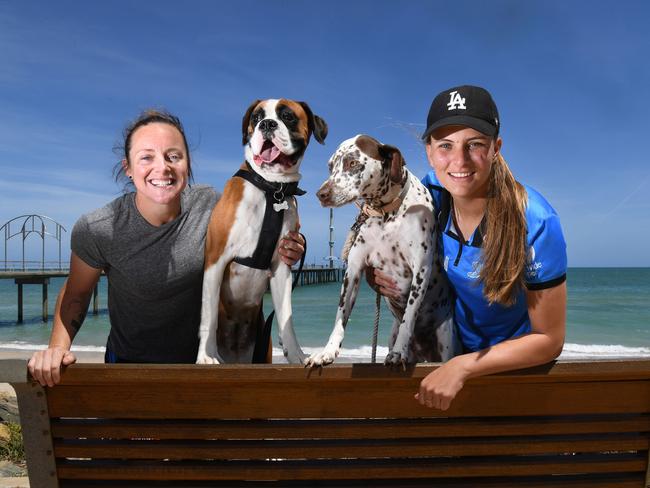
395,234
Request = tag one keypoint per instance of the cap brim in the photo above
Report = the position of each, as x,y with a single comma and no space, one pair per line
483,126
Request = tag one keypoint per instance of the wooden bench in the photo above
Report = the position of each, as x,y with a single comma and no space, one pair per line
568,424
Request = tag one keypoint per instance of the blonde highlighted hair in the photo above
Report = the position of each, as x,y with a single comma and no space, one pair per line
504,236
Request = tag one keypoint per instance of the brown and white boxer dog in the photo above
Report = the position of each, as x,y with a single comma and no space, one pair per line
395,233
256,208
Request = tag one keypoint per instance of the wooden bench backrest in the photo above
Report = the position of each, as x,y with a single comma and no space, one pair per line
565,425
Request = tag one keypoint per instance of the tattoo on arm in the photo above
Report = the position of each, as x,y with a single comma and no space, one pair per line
76,324
74,318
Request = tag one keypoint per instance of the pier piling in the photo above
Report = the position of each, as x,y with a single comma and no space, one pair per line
45,312
44,282
96,299
20,302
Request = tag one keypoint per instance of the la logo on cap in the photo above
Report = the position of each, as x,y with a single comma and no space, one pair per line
456,101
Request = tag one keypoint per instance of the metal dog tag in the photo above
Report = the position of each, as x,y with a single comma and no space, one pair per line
281,206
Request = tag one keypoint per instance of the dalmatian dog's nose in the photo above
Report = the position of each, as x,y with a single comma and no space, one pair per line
268,125
324,193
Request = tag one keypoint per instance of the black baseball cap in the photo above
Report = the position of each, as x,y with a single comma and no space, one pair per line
467,105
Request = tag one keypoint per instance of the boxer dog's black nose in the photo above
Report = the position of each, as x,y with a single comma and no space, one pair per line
268,125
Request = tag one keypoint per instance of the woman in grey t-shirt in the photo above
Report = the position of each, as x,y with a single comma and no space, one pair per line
150,245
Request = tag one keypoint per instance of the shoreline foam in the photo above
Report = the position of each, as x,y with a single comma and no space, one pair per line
95,354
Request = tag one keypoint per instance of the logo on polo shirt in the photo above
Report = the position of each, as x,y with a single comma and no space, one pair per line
456,101
475,274
532,266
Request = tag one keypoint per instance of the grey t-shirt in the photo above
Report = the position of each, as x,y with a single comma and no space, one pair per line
155,275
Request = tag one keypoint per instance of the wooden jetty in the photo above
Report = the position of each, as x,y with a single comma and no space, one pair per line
41,278
315,276
309,276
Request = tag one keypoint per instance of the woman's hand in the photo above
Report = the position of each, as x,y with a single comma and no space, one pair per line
383,283
547,312
45,366
440,387
291,248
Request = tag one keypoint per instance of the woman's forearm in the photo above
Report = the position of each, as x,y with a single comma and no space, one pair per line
440,387
517,353
69,314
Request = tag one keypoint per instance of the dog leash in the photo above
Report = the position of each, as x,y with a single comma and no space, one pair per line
375,330
264,335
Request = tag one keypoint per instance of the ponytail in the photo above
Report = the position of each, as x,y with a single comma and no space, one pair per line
504,242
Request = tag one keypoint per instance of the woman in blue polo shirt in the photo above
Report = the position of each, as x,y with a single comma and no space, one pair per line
501,244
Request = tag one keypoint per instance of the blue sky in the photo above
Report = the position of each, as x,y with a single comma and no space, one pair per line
570,78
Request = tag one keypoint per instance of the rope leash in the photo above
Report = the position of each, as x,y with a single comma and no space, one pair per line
375,330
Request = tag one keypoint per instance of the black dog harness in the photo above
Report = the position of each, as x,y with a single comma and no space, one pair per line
276,204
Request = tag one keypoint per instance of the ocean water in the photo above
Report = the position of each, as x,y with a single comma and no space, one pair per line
608,316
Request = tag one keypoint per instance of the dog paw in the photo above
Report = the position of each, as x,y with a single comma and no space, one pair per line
204,358
395,360
295,357
322,358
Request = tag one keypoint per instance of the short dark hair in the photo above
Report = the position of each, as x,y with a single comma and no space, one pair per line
149,116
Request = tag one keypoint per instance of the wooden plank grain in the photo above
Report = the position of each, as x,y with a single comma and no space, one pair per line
350,469
151,373
393,398
348,428
618,480
350,448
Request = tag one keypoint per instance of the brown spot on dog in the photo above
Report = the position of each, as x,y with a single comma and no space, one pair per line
383,152
246,129
343,291
352,165
299,111
222,220
315,124
369,146
396,163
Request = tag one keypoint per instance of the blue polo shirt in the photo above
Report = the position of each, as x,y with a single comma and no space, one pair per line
481,324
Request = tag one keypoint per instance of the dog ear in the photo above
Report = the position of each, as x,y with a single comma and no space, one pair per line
246,120
317,125
393,156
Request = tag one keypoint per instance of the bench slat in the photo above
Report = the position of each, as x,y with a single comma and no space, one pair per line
555,372
349,448
342,400
352,469
344,429
617,480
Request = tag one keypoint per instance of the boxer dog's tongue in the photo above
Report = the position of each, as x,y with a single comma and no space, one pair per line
268,153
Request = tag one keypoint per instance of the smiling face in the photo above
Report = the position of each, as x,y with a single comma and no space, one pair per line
159,166
462,159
